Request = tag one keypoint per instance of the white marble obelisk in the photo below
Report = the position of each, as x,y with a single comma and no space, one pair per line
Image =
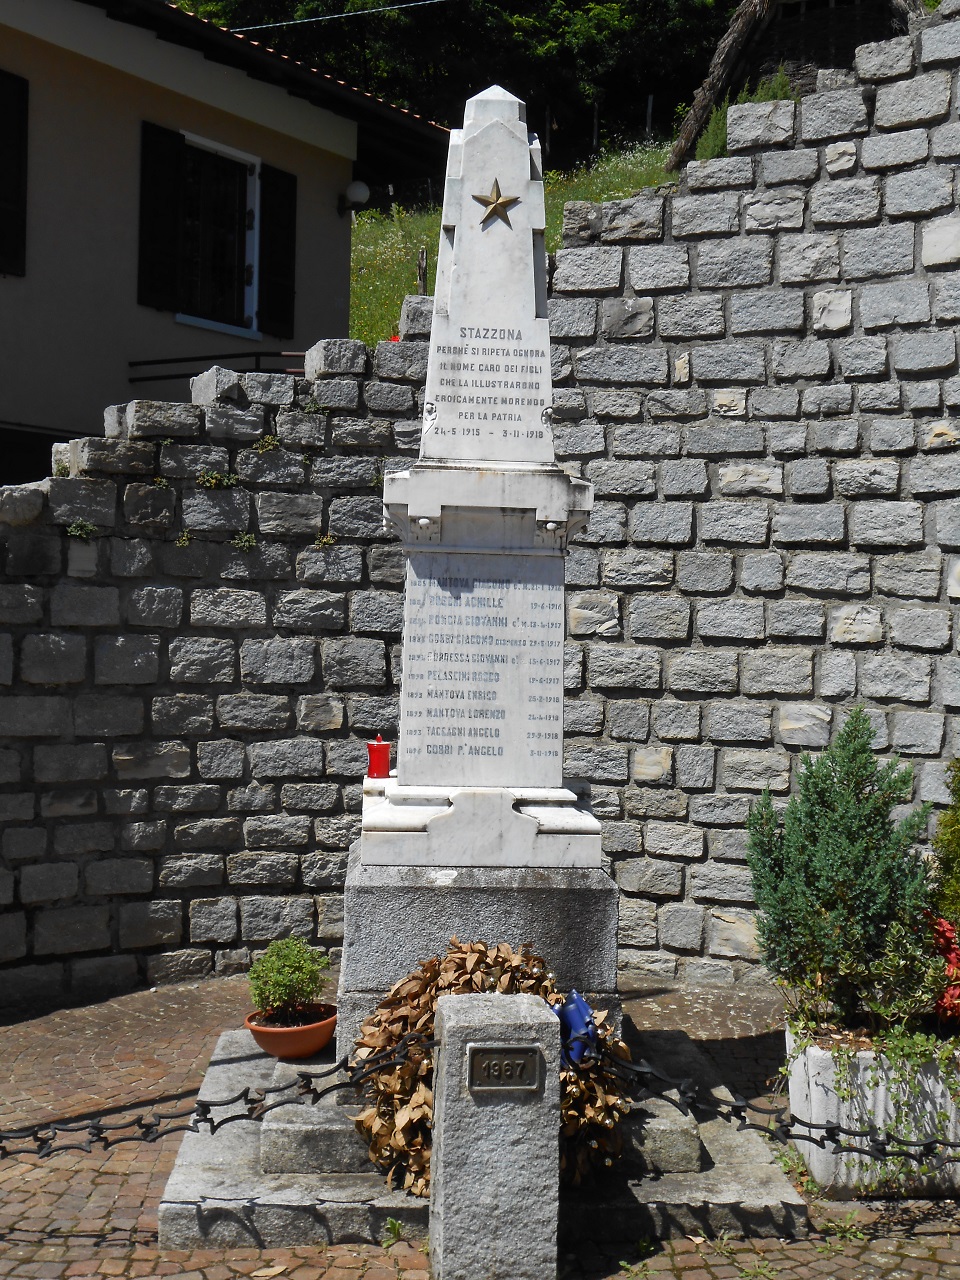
485,515
477,835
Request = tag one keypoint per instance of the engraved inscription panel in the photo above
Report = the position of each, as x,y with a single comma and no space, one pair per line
498,1067
488,387
482,697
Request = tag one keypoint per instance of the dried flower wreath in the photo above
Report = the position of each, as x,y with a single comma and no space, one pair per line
396,1123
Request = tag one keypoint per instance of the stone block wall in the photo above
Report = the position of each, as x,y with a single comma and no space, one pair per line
200,618
758,372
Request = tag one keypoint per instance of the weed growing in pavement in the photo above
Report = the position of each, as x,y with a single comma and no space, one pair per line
393,1233
829,1248
644,1249
723,1244
638,1269
759,1270
795,1167
845,1228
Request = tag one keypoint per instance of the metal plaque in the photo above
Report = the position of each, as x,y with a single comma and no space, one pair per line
495,1067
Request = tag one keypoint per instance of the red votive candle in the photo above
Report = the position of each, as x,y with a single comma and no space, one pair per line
379,763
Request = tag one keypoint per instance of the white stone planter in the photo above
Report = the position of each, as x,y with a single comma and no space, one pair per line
875,1099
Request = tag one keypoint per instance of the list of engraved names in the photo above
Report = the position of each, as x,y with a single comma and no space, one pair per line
482,697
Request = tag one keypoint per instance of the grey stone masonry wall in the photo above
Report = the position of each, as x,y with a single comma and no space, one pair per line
188,688
757,371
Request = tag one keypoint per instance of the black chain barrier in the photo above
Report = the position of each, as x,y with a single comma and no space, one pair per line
781,1126
647,1081
302,1092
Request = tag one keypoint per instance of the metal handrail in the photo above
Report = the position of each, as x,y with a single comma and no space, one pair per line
204,362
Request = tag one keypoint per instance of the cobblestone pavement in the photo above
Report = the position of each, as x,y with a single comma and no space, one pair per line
77,1215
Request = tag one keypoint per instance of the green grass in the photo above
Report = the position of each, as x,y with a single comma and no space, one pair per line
385,245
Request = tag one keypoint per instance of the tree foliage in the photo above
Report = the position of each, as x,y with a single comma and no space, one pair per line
563,57
842,887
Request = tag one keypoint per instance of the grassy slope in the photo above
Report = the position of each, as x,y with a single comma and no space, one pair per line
385,246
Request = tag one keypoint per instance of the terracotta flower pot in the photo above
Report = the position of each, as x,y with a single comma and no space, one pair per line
292,1043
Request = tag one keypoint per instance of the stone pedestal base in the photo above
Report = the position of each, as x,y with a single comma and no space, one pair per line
396,917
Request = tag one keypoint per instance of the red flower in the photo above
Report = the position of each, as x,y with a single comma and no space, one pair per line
945,941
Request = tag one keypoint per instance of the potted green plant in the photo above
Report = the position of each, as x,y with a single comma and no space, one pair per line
286,983
848,926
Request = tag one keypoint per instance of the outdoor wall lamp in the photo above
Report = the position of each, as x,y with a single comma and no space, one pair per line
355,197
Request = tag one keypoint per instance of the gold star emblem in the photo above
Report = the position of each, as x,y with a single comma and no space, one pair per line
496,205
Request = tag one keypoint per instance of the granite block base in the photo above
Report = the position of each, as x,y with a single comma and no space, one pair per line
397,917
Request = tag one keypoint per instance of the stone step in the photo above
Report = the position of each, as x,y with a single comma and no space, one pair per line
218,1196
701,1178
737,1187
657,1138
319,1138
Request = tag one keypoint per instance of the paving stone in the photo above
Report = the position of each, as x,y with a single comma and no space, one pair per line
777,671
730,620
701,672
802,724
856,624
886,60
798,524
832,115
704,215
738,722
845,201
655,268
804,259
917,193
902,302
588,270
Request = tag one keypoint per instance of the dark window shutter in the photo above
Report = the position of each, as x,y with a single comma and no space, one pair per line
278,252
161,168
14,94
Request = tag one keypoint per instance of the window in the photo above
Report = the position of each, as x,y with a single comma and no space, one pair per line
217,235
14,92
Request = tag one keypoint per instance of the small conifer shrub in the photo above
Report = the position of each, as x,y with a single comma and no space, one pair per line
843,890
